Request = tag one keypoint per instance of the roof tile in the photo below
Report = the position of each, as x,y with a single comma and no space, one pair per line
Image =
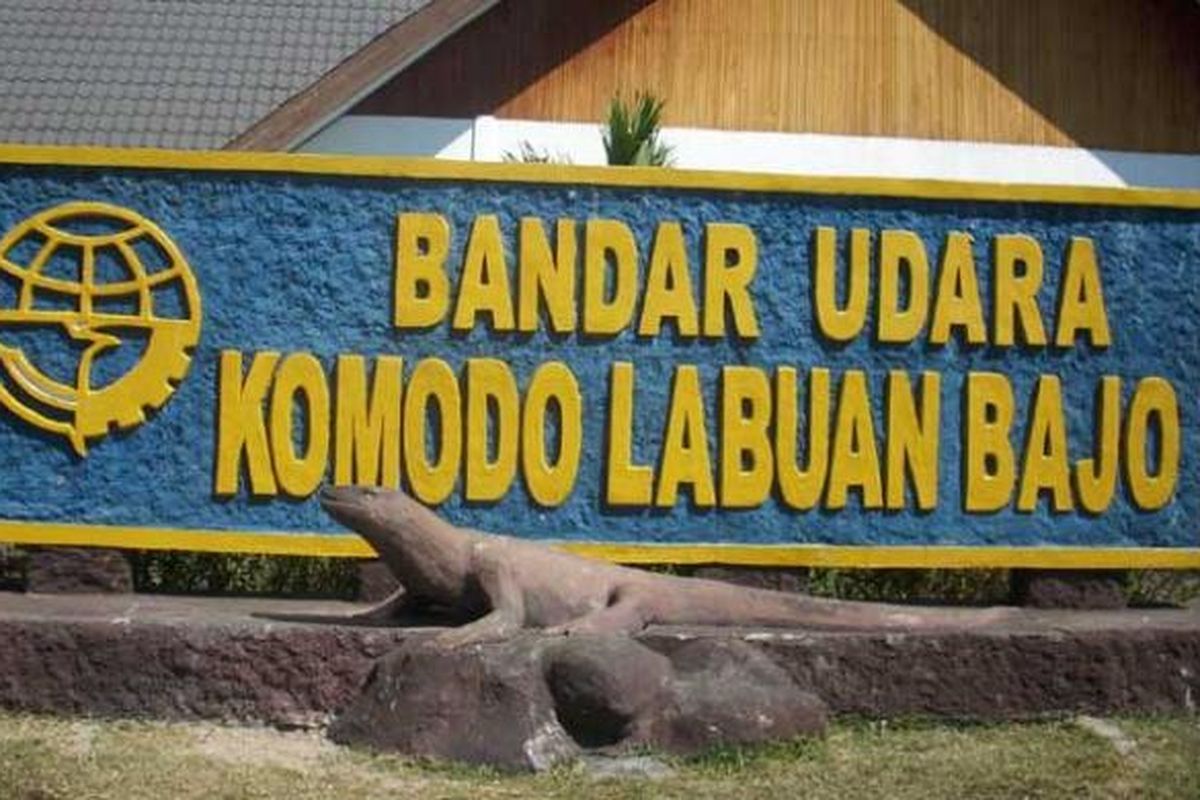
169,73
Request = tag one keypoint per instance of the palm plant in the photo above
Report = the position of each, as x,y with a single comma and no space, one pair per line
631,135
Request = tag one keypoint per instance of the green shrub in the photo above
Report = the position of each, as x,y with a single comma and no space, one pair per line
1156,587
170,572
963,586
12,568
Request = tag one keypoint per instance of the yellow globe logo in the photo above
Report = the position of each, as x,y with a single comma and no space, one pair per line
99,312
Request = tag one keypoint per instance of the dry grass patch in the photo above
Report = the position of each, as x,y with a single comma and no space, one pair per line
43,758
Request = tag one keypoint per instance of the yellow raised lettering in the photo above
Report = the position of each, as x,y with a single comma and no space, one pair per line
491,387
550,278
801,488
421,292
841,324
550,482
241,429
1016,295
990,463
902,251
747,463
432,380
1045,463
483,287
669,285
367,434
912,439
1096,478
300,374
854,458
730,261
604,238
1153,399
1081,304
956,304
627,484
685,456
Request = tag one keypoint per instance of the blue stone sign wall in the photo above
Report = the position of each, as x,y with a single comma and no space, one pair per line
657,365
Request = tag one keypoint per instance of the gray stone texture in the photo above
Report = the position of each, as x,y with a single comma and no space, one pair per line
486,704
77,570
533,701
188,658
730,692
1081,589
607,689
180,658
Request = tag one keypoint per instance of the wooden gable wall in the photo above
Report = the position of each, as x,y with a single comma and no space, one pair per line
1119,74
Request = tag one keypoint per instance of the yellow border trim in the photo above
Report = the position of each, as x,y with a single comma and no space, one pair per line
349,546
201,541
646,177
309,544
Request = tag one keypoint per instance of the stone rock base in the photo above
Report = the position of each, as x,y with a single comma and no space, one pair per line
1078,589
77,570
225,659
533,702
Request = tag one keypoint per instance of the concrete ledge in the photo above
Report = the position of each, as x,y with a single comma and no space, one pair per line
1054,662
180,658
183,657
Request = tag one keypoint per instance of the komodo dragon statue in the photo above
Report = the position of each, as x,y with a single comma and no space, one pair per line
500,584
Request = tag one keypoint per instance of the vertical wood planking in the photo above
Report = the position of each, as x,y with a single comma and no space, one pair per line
1122,74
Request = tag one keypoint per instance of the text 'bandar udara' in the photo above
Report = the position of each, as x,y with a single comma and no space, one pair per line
373,427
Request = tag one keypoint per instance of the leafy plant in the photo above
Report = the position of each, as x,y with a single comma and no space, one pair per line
970,586
631,135
170,572
1149,587
528,154
12,568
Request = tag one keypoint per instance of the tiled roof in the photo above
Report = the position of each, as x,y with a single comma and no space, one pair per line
171,73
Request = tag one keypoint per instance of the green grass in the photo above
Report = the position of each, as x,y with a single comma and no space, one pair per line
47,758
